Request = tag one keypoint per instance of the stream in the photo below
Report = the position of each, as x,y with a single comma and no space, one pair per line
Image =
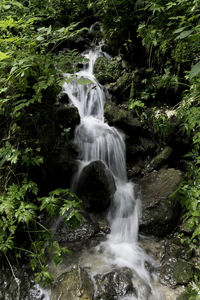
96,140
121,250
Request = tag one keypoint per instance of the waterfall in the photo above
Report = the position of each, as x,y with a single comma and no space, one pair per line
96,140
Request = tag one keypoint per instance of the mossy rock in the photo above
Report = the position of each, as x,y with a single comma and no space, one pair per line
175,272
159,160
123,84
160,214
74,284
108,70
123,119
114,285
183,272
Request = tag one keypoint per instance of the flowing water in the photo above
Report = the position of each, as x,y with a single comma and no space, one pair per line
96,140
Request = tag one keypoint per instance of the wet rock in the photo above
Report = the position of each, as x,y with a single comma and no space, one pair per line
102,222
96,187
74,239
174,248
122,118
160,214
23,287
74,284
176,272
159,160
107,70
114,285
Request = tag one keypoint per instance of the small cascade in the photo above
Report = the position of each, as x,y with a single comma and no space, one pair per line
96,140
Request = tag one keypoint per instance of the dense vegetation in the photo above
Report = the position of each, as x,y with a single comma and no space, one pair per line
163,35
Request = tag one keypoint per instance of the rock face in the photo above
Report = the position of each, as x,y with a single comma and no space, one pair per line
114,285
160,159
122,118
160,214
96,187
73,285
74,239
23,288
176,272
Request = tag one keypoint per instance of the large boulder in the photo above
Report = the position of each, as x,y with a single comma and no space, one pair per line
72,285
96,187
122,118
159,160
114,285
160,214
76,238
176,272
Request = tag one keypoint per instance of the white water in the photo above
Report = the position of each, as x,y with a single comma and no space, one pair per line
96,140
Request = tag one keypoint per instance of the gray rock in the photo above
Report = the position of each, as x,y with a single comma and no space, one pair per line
160,214
24,288
174,248
72,285
159,160
176,272
122,118
114,285
74,239
96,187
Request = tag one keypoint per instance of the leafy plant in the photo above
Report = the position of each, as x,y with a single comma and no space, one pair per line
31,75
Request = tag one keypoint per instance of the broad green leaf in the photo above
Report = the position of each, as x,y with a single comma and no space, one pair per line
184,34
195,70
3,56
40,38
179,30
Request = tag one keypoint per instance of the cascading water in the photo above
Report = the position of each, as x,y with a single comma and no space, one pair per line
96,140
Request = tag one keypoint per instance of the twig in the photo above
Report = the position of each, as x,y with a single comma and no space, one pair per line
17,280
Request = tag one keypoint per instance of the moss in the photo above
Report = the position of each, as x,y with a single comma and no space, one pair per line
107,70
183,272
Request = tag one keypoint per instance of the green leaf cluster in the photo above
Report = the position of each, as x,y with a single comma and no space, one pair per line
31,76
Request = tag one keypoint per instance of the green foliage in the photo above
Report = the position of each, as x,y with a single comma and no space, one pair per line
195,70
161,124
189,114
192,292
20,211
31,74
58,204
118,22
179,21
